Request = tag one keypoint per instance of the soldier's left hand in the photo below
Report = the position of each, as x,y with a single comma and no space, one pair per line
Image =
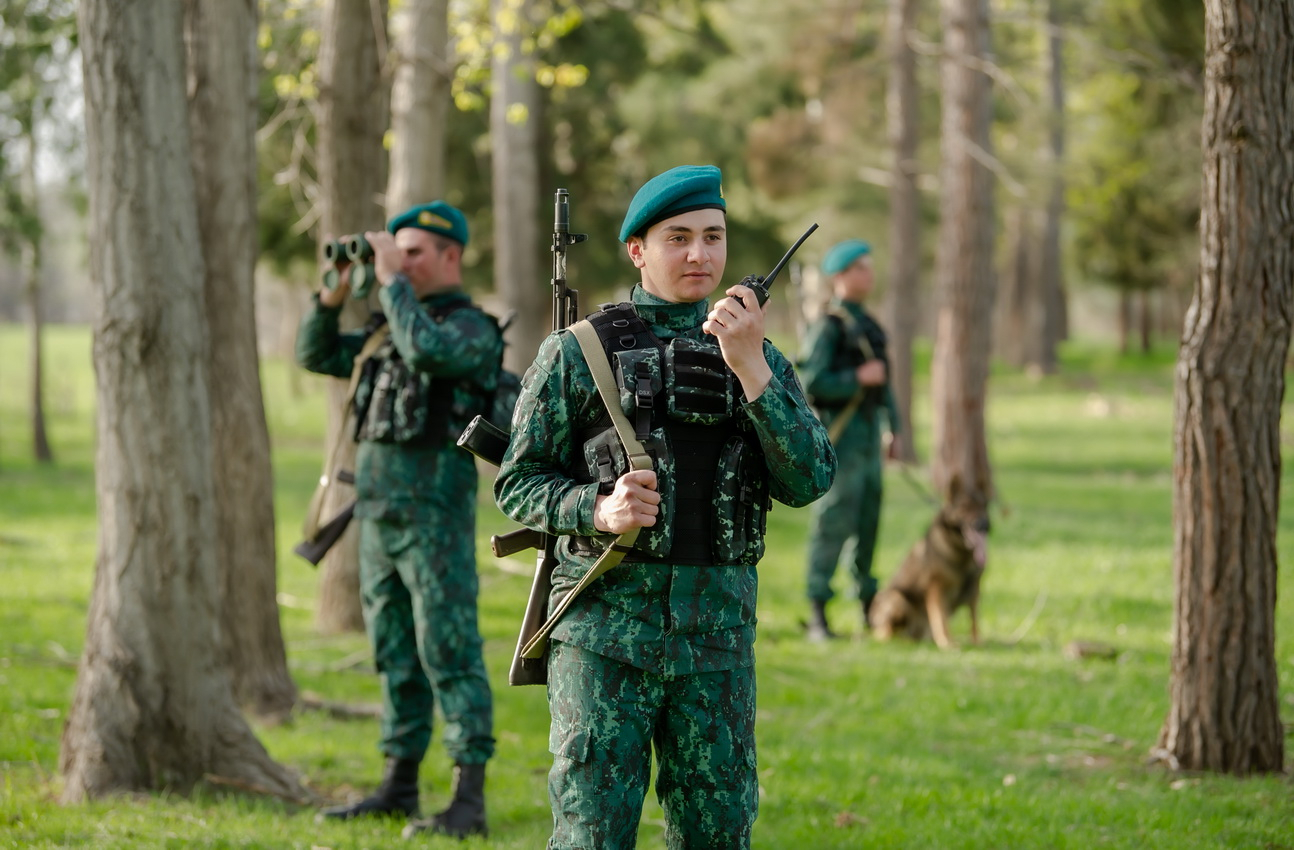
739,327
387,258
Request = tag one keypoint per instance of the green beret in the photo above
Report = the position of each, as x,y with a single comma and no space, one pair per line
843,254
437,217
679,190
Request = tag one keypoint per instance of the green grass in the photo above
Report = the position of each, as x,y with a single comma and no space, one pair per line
1006,745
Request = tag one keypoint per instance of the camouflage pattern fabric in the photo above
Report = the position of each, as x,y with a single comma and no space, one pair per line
417,529
651,652
846,520
606,716
418,588
667,619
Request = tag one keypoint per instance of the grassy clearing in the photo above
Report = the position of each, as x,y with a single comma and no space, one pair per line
861,744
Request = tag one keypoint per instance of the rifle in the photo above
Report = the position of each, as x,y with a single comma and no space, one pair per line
489,443
314,548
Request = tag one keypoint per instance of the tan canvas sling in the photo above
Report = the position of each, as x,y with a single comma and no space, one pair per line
591,347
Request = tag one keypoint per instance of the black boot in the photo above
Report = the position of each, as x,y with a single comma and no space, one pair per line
818,628
466,813
397,795
867,614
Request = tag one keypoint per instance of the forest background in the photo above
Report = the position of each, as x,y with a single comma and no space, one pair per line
791,106
1095,138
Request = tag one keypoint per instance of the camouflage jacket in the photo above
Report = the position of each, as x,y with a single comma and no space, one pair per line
830,377
668,619
395,480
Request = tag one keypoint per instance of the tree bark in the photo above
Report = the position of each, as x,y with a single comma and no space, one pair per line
221,40
514,130
153,706
419,104
1224,713
352,175
965,254
901,103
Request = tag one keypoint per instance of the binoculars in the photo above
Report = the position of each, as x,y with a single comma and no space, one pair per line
355,250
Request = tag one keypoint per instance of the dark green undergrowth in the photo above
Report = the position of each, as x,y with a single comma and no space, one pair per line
1010,744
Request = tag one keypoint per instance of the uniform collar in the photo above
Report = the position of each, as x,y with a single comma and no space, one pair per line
853,307
667,315
445,296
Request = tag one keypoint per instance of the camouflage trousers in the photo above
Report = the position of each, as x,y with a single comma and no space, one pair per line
606,718
848,517
418,589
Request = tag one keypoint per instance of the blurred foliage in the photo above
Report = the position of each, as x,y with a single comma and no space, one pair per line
287,94
790,105
1135,186
37,41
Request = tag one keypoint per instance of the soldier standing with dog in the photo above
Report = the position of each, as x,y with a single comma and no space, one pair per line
846,373
658,652
419,374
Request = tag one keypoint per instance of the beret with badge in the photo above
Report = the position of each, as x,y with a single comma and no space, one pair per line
681,189
842,255
436,217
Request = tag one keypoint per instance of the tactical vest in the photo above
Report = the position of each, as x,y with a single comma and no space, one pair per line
682,400
397,404
860,341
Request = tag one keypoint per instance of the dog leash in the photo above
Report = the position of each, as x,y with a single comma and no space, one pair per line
920,489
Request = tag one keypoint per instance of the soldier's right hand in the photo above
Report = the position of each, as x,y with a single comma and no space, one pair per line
634,503
336,296
872,373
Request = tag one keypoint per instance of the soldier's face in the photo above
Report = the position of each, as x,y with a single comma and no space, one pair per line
682,258
426,260
855,282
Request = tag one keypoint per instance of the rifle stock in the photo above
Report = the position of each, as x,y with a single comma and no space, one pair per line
314,549
534,671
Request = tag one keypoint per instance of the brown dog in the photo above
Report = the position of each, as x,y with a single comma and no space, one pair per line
939,575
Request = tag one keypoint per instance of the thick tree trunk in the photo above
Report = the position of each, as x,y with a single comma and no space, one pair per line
419,103
1050,271
1224,710
221,40
153,706
352,175
965,254
905,234
514,130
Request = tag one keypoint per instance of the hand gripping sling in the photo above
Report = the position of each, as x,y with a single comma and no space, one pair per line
596,357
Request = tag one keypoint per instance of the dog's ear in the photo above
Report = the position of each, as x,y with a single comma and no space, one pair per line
955,486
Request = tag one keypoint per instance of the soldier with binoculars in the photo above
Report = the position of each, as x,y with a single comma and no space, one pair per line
420,372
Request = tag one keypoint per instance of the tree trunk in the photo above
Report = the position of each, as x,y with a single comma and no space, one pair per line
1051,273
1013,323
514,130
153,706
221,40
32,268
352,174
1125,320
1144,315
419,104
965,254
1224,712
905,234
